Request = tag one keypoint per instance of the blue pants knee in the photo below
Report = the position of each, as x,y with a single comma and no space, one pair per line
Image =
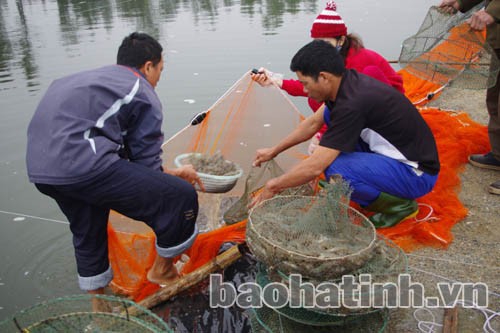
370,173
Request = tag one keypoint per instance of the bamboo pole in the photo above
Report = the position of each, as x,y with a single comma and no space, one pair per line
220,262
438,63
450,320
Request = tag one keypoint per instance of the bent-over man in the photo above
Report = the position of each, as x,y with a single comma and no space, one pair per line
94,144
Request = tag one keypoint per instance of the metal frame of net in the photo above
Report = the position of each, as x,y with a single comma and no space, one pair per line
85,313
318,237
446,51
266,319
387,263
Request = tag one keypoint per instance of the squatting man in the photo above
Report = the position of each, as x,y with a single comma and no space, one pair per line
375,139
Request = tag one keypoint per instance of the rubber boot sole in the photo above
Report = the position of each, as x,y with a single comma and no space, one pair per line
493,190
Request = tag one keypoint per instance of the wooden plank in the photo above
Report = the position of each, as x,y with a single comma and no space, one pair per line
450,320
220,262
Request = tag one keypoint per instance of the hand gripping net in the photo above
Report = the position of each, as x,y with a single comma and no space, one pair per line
254,183
446,51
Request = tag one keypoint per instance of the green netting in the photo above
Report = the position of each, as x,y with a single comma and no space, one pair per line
312,316
319,237
387,263
309,245
266,319
256,179
85,313
446,51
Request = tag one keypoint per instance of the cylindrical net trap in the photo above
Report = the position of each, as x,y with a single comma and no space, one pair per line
317,237
85,313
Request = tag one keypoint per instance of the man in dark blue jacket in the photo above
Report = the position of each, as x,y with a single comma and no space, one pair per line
94,144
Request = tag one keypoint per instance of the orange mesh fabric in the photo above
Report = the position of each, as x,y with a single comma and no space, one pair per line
457,136
425,76
249,117
246,118
418,91
131,253
207,245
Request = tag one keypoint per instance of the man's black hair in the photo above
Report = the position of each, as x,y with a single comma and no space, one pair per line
137,49
318,56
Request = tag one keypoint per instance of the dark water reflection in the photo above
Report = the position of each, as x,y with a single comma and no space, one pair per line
75,16
75,23
208,45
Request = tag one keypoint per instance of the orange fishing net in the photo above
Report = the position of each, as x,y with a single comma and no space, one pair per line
460,57
244,119
249,117
457,136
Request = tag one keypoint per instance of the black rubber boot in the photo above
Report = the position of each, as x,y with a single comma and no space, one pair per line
390,210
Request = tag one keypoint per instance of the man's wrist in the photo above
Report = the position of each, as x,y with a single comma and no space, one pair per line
273,186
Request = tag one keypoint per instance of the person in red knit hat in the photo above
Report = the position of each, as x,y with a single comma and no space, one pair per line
330,26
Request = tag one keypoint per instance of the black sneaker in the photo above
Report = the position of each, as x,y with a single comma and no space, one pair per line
486,161
494,188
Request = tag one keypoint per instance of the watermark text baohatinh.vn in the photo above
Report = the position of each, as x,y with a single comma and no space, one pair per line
351,292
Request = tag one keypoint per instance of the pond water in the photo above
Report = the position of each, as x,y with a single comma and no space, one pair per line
208,45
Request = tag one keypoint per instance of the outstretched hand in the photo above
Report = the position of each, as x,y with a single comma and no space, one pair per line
263,155
188,173
263,77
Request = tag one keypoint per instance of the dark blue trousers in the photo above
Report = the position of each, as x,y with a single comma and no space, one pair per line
168,204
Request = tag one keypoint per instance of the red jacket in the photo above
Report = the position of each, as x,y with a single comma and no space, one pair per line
364,61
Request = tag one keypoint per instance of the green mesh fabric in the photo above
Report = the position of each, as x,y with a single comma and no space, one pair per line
256,179
319,237
446,51
268,320
85,313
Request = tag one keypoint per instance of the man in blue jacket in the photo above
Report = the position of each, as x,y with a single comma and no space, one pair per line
94,144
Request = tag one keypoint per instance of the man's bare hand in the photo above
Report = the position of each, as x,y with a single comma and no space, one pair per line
480,19
188,173
263,155
264,195
449,6
264,78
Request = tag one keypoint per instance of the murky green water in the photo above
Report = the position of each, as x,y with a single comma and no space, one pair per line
208,45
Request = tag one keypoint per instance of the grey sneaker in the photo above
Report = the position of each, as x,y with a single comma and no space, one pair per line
486,161
494,188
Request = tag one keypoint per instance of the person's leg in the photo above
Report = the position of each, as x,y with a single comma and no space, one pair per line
88,224
382,185
491,160
168,204
493,103
494,131
370,173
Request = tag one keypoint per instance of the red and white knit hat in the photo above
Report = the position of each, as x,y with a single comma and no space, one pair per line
328,24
